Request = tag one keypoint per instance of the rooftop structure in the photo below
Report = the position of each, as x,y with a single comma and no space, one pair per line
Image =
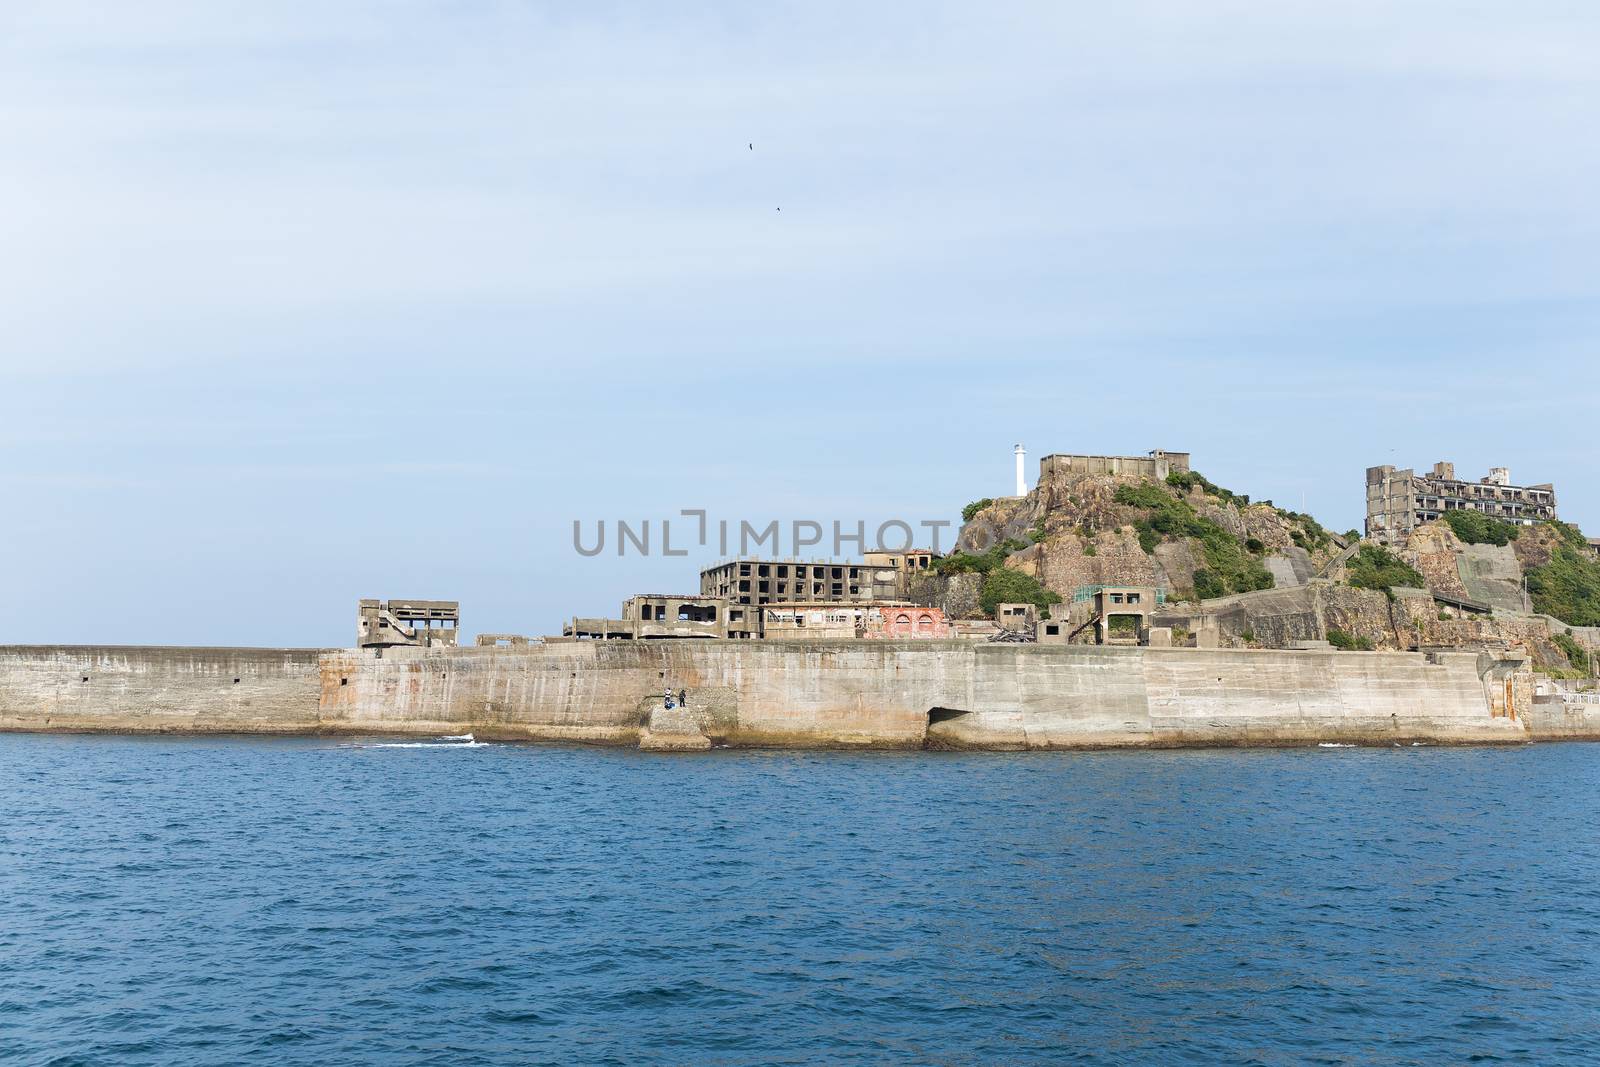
1156,464
1398,501
419,623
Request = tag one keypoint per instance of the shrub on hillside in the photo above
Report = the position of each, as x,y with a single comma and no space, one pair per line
975,507
1568,586
1375,567
1002,585
1311,534
979,562
1230,567
1576,654
1183,481
1476,528
1349,642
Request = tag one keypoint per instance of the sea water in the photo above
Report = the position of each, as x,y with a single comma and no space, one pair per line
213,900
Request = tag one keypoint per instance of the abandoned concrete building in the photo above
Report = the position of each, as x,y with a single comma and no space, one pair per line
907,566
758,582
1117,615
654,616
1017,618
420,623
651,616
1156,464
1398,501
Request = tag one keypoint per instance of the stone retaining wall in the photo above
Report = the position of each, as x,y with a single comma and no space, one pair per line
846,693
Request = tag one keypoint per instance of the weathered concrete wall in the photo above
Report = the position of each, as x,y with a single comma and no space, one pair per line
1554,718
848,693
859,693
209,690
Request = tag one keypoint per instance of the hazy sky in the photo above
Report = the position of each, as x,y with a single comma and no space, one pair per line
304,302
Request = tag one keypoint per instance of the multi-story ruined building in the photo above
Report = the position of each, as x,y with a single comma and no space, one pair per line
1157,464
907,565
1398,501
420,623
772,581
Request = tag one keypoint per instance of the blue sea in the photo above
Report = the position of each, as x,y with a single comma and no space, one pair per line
219,901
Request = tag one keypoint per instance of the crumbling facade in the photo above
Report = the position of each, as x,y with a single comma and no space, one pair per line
417,623
653,616
757,582
1103,615
1156,464
907,566
845,622
1398,501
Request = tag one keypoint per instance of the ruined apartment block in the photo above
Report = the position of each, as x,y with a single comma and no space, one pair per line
1398,501
756,582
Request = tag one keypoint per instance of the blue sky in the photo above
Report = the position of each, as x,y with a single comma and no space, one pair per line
309,302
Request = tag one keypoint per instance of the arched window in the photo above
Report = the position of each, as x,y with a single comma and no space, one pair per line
925,624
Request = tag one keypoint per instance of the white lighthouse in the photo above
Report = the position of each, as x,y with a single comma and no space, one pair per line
1022,481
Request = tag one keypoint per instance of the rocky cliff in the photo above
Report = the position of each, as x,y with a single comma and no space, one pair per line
1186,535
1267,578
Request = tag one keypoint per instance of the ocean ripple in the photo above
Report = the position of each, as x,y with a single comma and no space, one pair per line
210,900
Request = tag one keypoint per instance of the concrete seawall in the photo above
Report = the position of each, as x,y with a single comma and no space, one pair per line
822,694
143,688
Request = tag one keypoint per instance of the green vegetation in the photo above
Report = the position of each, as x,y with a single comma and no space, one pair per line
1575,653
1150,495
1248,637
1311,534
1254,546
1123,626
1349,642
1183,481
1089,549
1476,528
1230,567
975,507
1375,567
1352,536
1568,586
1002,585
980,562
1037,534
